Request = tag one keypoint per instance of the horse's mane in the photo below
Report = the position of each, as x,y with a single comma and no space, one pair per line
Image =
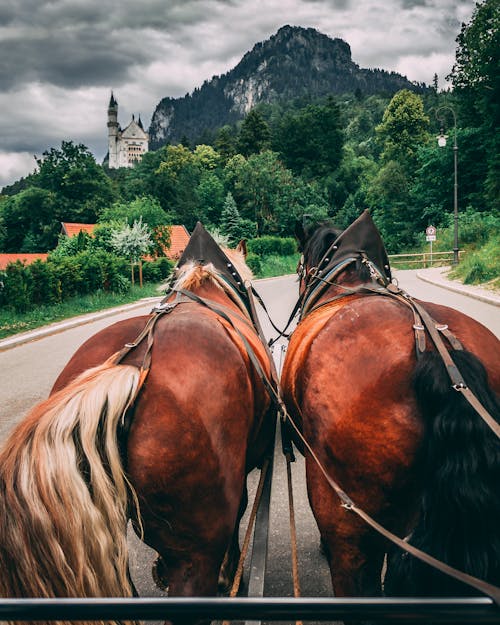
318,243
192,276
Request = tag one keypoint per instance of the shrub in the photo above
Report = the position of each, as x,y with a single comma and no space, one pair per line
254,262
272,246
45,284
157,270
16,287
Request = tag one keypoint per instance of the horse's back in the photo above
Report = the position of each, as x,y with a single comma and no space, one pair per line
187,449
348,377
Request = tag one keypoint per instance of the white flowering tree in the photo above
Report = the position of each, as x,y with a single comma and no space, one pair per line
133,242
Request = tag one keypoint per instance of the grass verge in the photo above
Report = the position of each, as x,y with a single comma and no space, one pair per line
273,266
13,323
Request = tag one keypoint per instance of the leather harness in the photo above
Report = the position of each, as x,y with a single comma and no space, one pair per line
422,321
317,281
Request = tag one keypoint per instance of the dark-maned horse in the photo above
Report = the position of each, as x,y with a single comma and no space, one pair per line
389,427
200,423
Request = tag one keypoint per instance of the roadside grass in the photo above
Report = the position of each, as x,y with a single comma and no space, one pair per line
273,266
481,265
13,323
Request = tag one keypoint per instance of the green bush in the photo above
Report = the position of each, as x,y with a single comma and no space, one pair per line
272,246
254,262
119,284
482,265
45,284
157,270
16,287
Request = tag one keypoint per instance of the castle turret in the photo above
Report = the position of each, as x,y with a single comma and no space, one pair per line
113,130
126,145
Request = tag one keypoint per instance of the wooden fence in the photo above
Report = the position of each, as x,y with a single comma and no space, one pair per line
418,261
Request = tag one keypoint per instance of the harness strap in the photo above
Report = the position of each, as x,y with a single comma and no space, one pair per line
281,333
456,378
251,354
146,333
246,541
347,503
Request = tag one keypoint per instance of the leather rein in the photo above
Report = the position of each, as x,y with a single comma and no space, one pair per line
272,386
316,284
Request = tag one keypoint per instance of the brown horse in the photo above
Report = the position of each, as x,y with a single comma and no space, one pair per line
200,423
386,424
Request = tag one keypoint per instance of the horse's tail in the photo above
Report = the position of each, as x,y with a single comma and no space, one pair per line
460,511
64,494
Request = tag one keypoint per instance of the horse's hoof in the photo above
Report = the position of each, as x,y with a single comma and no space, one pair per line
158,573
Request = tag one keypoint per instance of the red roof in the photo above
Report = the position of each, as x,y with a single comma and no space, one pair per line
179,238
72,229
27,259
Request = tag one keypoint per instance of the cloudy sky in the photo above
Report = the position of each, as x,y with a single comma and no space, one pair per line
59,59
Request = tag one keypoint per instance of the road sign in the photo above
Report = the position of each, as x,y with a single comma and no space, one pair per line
430,233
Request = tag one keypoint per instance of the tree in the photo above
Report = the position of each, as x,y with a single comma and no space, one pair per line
179,175
310,141
225,143
210,195
232,225
403,130
31,221
254,134
476,79
148,210
267,193
81,187
133,242
388,197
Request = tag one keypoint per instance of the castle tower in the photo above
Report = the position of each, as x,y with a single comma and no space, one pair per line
113,132
125,146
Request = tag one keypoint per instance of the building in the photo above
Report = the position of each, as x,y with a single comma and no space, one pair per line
26,259
179,236
125,147
71,229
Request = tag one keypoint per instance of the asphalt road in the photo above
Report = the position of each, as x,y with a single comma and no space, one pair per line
28,371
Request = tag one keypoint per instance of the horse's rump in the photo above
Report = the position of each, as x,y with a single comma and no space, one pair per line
197,424
154,418
348,379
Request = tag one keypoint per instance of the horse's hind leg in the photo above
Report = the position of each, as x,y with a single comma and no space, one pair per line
232,556
355,555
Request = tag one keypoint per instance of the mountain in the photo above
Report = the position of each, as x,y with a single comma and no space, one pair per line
293,63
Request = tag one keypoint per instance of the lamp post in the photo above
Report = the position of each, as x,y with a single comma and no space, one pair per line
441,139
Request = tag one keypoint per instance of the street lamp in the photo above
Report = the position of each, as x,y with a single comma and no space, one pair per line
441,139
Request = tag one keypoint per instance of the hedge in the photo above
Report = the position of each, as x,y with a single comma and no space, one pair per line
24,286
272,246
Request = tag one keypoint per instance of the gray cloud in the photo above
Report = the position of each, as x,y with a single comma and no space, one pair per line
59,59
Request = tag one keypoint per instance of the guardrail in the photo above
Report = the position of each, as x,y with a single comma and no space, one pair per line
424,260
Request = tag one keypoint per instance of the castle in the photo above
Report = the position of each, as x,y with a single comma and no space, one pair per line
125,147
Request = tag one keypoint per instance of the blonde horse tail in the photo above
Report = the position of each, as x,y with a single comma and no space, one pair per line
64,494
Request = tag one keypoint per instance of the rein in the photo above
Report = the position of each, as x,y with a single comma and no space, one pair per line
422,321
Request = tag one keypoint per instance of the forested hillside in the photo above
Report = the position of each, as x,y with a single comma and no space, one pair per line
326,157
294,63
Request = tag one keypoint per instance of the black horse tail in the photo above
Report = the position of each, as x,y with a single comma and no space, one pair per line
459,517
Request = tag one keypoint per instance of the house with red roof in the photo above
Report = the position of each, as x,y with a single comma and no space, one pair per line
179,236
26,259
72,229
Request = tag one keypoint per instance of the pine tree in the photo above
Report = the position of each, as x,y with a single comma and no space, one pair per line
233,226
230,220
254,134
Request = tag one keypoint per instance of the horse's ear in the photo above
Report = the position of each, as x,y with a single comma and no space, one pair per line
300,233
242,247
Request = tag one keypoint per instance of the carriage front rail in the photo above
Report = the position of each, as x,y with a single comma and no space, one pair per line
443,610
